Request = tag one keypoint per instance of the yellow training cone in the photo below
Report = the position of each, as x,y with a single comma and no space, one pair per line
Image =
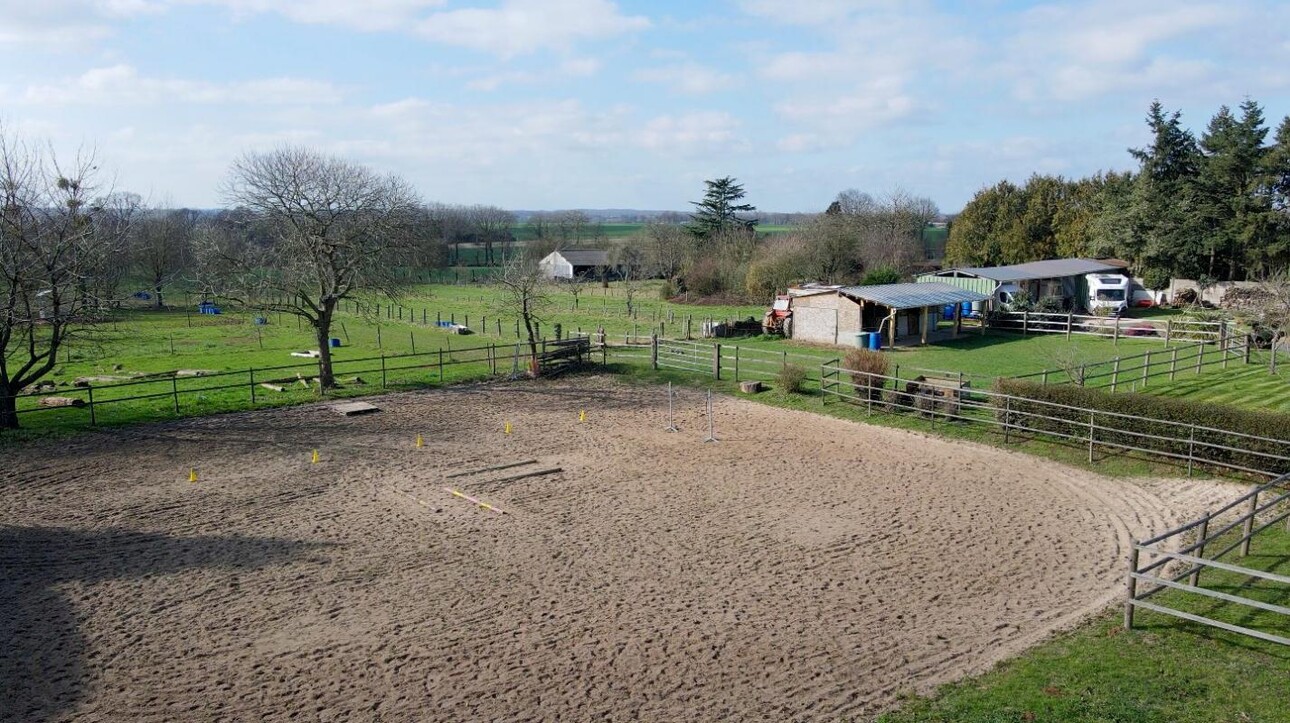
192,475
582,415
315,458
507,428
420,442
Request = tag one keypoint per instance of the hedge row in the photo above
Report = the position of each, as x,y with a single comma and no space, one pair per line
1144,416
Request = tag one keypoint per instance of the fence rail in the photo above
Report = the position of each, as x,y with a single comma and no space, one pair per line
1166,330
1132,373
1097,430
1163,562
290,381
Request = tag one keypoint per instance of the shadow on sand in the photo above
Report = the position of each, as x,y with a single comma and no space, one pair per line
43,672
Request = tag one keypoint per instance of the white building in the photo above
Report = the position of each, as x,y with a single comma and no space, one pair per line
576,263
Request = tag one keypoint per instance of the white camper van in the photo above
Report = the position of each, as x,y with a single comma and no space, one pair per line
1108,291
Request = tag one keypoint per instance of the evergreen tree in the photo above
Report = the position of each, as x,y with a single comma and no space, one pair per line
719,212
1230,214
1158,211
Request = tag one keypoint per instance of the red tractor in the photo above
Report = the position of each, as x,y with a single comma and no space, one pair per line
778,319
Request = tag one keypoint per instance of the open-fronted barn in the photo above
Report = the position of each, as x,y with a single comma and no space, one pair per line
896,311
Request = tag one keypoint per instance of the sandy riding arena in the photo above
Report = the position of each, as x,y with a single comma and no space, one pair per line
801,568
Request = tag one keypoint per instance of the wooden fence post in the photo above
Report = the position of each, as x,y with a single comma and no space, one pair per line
1115,333
382,371
251,371
1131,585
653,352
1200,549
1146,369
441,366
93,420
716,361
1115,374
1173,363
1070,321
1007,419
1169,323
1249,523
1025,323
174,391
736,363
1191,450
1200,355
1091,435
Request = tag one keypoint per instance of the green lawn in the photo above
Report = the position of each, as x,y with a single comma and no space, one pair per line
1251,387
147,341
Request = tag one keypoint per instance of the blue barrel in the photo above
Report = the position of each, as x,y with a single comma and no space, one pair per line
967,308
335,342
875,340
948,312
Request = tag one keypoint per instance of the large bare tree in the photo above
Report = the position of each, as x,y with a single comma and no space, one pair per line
337,229
52,227
162,248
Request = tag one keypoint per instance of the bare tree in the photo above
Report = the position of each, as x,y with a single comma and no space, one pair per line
1273,310
50,224
162,245
669,246
526,293
631,263
492,227
336,229
570,226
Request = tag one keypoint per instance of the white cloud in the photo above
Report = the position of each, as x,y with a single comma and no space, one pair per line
702,132
688,78
517,27
65,24
365,15
1073,52
568,68
122,85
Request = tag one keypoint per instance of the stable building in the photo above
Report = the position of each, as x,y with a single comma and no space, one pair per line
896,311
1062,279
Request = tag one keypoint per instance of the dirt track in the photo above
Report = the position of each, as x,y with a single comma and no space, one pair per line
803,568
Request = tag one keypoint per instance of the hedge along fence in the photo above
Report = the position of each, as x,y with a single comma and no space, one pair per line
1018,417
1198,432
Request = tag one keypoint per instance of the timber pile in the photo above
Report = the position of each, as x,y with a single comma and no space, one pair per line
61,402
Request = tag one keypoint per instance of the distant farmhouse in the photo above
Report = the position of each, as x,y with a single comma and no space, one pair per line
578,264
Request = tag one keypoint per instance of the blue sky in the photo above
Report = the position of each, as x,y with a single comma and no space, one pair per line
594,103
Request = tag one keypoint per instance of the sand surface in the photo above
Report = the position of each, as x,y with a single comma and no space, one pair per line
801,568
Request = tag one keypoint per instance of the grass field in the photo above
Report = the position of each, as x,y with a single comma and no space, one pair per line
145,341
1251,387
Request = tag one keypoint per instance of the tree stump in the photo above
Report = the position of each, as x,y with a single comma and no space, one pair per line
750,387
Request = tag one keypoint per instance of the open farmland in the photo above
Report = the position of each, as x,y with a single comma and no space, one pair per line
801,568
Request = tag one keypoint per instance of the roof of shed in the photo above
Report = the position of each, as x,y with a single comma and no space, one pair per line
913,296
586,257
1050,269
